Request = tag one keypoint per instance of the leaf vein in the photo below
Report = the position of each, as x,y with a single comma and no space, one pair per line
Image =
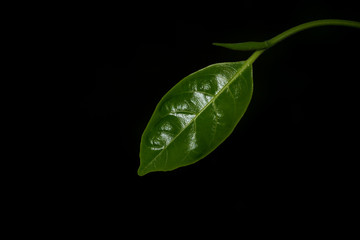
237,74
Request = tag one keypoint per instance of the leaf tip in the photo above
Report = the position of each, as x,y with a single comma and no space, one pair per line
217,44
140,172
244,46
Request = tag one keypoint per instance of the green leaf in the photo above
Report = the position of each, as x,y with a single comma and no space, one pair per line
244,46
196,116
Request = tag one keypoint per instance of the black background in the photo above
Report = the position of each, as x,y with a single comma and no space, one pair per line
291,161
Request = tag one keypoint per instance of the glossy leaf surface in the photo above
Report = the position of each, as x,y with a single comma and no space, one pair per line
195,116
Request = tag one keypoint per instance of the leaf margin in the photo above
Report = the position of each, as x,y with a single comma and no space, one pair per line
242,68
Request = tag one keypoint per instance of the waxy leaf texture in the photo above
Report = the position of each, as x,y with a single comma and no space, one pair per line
195,116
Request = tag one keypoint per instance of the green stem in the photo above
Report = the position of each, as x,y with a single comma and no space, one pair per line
260,47
253,57
308,25
249,46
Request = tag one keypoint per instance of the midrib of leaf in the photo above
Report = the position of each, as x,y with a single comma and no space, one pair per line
236,75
